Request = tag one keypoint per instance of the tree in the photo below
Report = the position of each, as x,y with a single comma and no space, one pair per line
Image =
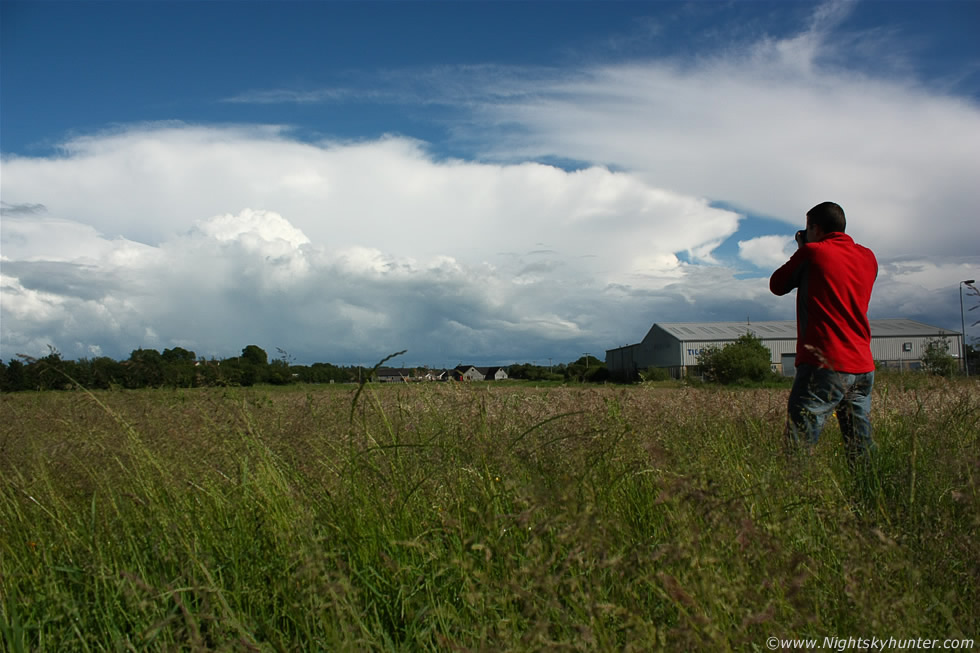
178,355
236,371
936,358
530,372
178,367
48,373
254,366
587,368
14,378
255,355
746,359
144,369
324,373
279,373
106,372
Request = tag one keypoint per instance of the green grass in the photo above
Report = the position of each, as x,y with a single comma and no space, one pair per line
478,517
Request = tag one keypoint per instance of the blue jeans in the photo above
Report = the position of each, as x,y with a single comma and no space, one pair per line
819,392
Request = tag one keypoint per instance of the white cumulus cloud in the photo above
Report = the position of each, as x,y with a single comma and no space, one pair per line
766,251
214,237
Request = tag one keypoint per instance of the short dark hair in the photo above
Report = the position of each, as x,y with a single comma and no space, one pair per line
828,216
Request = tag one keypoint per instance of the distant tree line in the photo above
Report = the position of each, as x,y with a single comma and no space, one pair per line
181,368
588,369
176,368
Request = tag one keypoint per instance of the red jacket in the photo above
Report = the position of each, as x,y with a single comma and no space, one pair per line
834,278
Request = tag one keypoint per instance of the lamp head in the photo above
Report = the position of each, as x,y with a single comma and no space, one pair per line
971,281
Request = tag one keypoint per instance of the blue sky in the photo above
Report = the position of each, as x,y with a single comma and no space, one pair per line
482,182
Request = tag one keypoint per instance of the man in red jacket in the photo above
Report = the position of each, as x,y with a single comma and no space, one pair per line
833,276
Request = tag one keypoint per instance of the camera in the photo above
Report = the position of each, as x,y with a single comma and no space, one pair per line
801,236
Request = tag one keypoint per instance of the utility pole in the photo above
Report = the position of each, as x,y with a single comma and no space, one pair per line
966,359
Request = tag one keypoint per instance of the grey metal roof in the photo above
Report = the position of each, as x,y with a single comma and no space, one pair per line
900,326
786,329
729,330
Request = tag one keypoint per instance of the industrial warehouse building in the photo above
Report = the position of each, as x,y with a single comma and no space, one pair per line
895,343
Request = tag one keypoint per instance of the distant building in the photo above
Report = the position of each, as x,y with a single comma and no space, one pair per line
493,373
459,373
895,343
473,373
436,375
399,374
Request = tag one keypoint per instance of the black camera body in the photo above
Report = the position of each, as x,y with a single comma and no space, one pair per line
801,236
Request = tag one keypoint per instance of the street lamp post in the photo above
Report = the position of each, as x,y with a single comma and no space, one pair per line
966,359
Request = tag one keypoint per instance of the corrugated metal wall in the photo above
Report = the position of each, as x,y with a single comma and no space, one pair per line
622,362
908,348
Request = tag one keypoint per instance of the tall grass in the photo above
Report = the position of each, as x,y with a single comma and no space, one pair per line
478,517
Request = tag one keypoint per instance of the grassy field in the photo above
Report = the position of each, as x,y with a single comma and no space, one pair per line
479,517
